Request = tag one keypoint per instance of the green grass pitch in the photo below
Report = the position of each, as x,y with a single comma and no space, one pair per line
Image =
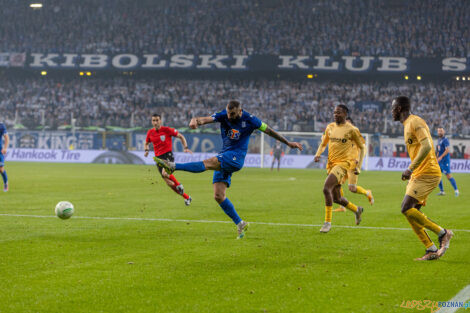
144,265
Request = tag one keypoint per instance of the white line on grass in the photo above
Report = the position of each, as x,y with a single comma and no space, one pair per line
462,296
207,221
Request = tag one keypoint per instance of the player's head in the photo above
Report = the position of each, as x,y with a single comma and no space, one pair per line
400,105
156,121
341,112
348,119
441,132
234,110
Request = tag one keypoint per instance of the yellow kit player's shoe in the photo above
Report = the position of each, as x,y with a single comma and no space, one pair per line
429,255
444,242
370,197
326,227
359,212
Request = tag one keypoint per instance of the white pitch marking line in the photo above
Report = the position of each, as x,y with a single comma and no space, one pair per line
462,296
207,221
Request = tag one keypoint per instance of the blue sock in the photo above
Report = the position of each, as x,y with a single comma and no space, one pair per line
5,177
229,209
441,187
454,184
193,167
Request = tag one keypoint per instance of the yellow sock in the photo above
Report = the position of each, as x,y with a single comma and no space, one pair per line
361,190
341,191
421,233
423,221
351,206
328,213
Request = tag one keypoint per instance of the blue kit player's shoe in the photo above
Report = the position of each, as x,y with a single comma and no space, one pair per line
168,166
242,227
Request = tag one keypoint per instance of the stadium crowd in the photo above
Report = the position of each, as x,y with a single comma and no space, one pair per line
286,105
428,28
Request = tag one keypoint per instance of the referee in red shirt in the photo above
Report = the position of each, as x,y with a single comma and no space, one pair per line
161,138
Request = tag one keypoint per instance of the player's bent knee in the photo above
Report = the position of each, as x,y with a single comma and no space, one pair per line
352,188
219,197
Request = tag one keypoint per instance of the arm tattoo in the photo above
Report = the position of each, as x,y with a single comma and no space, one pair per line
271,132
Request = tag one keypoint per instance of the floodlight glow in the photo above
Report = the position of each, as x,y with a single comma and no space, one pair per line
406,77
43,73
309,76
35,5
418,77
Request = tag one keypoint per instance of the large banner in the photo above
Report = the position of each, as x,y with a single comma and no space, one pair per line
395,147
401,164
251,160
204,62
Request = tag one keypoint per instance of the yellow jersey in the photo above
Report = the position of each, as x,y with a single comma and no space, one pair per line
416,130
340,140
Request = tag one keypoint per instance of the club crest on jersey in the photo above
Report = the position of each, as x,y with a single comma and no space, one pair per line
233,134
162,137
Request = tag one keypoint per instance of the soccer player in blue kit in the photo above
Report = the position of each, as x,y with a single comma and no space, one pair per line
236,126
3,152
443,157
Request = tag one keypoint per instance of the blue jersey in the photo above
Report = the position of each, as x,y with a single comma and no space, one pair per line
236,134
3,131
442,144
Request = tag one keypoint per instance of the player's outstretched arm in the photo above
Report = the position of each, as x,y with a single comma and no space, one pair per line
198,121
184,142
271,132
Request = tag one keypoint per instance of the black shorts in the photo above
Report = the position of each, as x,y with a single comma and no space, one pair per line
166,156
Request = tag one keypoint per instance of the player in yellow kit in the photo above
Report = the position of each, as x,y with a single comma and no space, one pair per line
353,178
425,175
339,137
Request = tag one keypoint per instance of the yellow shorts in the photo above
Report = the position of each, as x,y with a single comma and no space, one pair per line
340,173
352,178
420,187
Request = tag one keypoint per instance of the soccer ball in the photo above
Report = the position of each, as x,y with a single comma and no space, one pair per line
64,210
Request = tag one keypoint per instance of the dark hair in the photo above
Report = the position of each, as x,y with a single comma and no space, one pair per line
345,108
350,120
233,104
403,102
156,115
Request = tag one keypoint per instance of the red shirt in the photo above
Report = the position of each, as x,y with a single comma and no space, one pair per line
161,139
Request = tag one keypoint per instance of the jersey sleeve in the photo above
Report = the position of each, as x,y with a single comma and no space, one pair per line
418,126
256,122
172,132
357,138
3,130
446,143
217,117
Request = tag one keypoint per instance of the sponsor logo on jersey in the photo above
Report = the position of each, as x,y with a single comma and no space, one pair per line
234,134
